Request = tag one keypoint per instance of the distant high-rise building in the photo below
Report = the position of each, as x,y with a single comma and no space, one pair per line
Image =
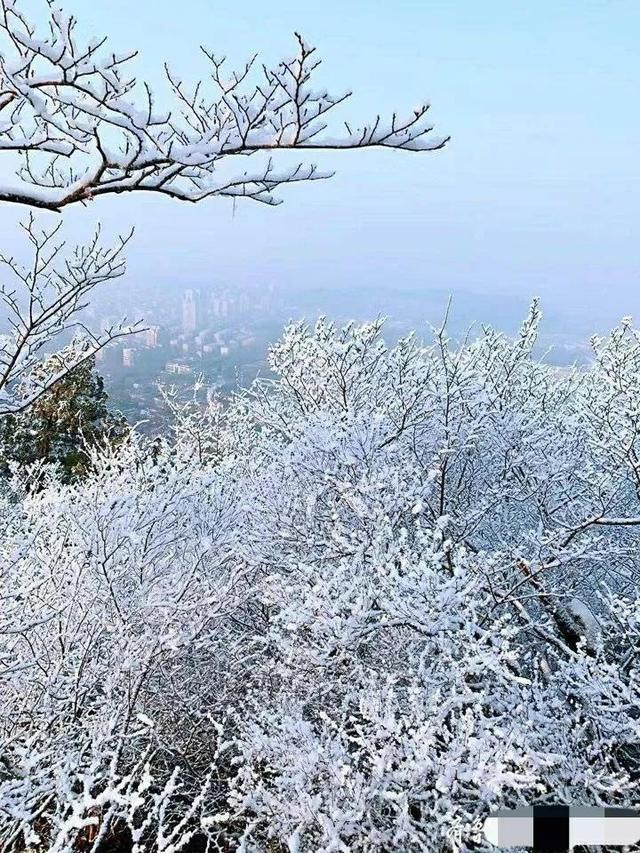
190,311
222,306
151,337
128,357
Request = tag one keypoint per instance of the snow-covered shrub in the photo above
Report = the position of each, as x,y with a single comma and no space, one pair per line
354,610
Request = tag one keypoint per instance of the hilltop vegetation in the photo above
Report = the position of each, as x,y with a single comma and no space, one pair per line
364,604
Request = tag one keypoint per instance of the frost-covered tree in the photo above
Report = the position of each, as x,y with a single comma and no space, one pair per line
369,600
58,427
85,128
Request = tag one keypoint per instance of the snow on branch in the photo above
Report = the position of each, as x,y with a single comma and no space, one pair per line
382,592
68,110
44,301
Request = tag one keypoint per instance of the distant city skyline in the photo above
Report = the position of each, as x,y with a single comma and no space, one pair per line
222,335
217,333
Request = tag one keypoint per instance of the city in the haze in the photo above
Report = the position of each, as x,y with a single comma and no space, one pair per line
221,333
217,334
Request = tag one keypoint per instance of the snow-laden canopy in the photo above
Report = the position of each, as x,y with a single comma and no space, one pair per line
355,610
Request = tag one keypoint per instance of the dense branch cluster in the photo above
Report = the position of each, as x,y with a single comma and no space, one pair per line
365,603
45,337
86,128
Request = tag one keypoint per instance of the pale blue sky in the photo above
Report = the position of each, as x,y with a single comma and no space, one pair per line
538,191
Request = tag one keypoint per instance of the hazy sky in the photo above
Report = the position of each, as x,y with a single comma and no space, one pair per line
538,191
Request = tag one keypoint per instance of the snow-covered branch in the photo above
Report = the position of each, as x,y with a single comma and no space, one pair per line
45,337
84,126
374,596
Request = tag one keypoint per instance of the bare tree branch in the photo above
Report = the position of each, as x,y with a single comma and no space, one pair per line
44,301
67,109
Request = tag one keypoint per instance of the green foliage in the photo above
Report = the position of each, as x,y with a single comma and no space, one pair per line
61,424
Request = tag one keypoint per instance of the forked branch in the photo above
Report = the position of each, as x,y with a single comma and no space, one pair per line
67,110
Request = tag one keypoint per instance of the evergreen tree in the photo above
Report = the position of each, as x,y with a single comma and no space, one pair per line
60,425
